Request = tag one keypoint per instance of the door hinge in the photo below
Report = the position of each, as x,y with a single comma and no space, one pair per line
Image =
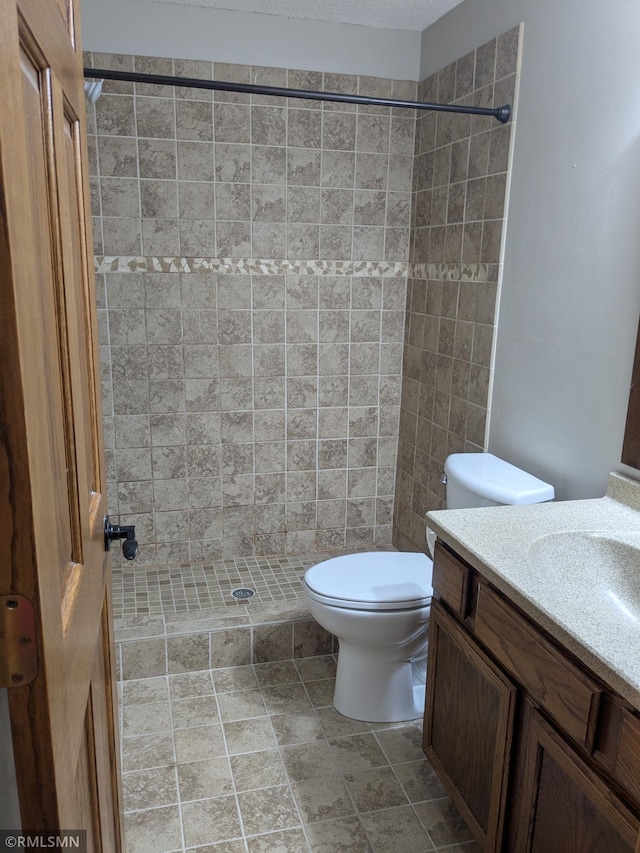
18,648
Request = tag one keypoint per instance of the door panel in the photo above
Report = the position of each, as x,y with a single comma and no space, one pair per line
565,805
48,313
52,500
468,726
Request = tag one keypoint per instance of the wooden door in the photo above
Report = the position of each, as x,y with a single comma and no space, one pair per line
53,567
565,806
468,726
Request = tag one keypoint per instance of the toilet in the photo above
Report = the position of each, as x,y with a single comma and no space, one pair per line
377,603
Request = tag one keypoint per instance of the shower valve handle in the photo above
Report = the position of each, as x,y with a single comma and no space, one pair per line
121,531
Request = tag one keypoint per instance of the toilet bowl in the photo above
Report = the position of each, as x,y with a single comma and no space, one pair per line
377,604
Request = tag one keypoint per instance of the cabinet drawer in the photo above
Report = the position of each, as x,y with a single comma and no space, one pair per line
450,579
549,677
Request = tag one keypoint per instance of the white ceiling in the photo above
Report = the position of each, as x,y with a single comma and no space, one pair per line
414,15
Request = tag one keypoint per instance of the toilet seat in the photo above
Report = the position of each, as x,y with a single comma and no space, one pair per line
374,580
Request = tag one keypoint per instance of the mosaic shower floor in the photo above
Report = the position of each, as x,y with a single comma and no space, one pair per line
201,586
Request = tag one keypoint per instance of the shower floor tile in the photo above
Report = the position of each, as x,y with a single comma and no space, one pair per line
213,763
196,586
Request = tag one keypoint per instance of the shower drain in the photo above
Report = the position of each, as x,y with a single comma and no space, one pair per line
243,592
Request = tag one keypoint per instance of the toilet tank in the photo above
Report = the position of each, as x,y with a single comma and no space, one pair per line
482,479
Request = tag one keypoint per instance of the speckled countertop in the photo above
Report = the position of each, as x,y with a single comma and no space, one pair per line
572,566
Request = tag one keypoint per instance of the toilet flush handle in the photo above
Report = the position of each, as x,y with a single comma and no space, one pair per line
443,479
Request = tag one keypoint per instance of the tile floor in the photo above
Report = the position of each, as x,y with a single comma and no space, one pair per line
254,758
250,759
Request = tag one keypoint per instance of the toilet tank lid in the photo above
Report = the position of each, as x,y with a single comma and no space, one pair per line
374,577
490,477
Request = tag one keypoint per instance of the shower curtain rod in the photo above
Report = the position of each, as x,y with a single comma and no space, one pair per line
502,114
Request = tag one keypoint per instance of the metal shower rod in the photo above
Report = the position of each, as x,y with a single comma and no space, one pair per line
502,114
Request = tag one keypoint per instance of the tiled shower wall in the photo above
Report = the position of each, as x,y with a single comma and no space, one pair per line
458,216
252,256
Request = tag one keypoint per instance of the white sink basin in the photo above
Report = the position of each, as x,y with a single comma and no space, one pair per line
613,558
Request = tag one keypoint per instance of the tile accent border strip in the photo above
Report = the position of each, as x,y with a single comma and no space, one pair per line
481,272
453,272
247,266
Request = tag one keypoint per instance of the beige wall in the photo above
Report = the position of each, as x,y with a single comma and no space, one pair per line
252,260
198,32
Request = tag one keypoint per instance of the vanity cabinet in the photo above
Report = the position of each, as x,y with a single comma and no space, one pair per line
538,754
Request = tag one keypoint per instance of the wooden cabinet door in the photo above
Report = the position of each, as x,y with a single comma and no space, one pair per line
468,726
566,807
53,566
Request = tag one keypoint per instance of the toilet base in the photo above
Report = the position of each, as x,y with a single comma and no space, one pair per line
377,691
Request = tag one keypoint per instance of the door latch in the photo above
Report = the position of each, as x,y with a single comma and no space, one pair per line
121,531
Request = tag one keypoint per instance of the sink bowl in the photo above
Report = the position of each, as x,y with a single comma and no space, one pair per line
608,562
